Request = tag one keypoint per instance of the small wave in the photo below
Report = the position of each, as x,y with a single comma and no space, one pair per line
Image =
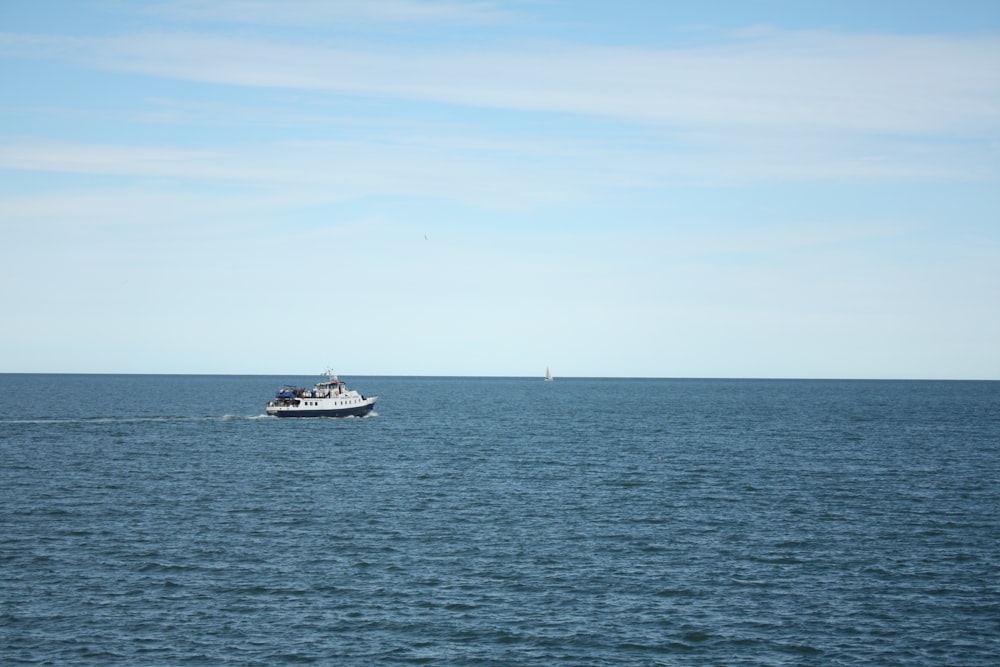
367,416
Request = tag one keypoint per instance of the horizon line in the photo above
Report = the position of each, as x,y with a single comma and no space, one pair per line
521,377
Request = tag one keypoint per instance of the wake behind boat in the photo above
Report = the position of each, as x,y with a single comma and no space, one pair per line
330,398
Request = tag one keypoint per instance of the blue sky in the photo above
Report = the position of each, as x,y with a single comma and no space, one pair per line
653,189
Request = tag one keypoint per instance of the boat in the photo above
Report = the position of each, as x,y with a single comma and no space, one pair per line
548,374
330,398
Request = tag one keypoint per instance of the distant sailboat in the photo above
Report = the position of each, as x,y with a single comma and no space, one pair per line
548,374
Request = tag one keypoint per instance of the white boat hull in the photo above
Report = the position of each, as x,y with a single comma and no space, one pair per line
322,407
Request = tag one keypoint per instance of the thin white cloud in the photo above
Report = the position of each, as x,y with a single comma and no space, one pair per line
333,12
323,170
776,106
98,159
494,170
137,205
823,81
873,83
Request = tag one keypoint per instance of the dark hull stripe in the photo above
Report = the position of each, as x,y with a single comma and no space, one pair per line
358,411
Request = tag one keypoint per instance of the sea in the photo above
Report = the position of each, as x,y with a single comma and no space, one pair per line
166,520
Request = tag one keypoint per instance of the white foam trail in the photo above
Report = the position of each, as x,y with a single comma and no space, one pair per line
131,420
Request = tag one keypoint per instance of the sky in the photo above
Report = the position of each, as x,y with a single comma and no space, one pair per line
759,189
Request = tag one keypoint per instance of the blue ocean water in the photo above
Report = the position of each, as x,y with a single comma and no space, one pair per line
164,520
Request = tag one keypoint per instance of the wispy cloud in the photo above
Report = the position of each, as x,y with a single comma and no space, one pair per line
311,12
493,170
759,105
90,159
330,171
818,81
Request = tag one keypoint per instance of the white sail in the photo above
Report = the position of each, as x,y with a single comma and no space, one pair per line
548,374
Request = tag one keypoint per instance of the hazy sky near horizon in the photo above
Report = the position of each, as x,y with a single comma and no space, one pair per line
636,188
